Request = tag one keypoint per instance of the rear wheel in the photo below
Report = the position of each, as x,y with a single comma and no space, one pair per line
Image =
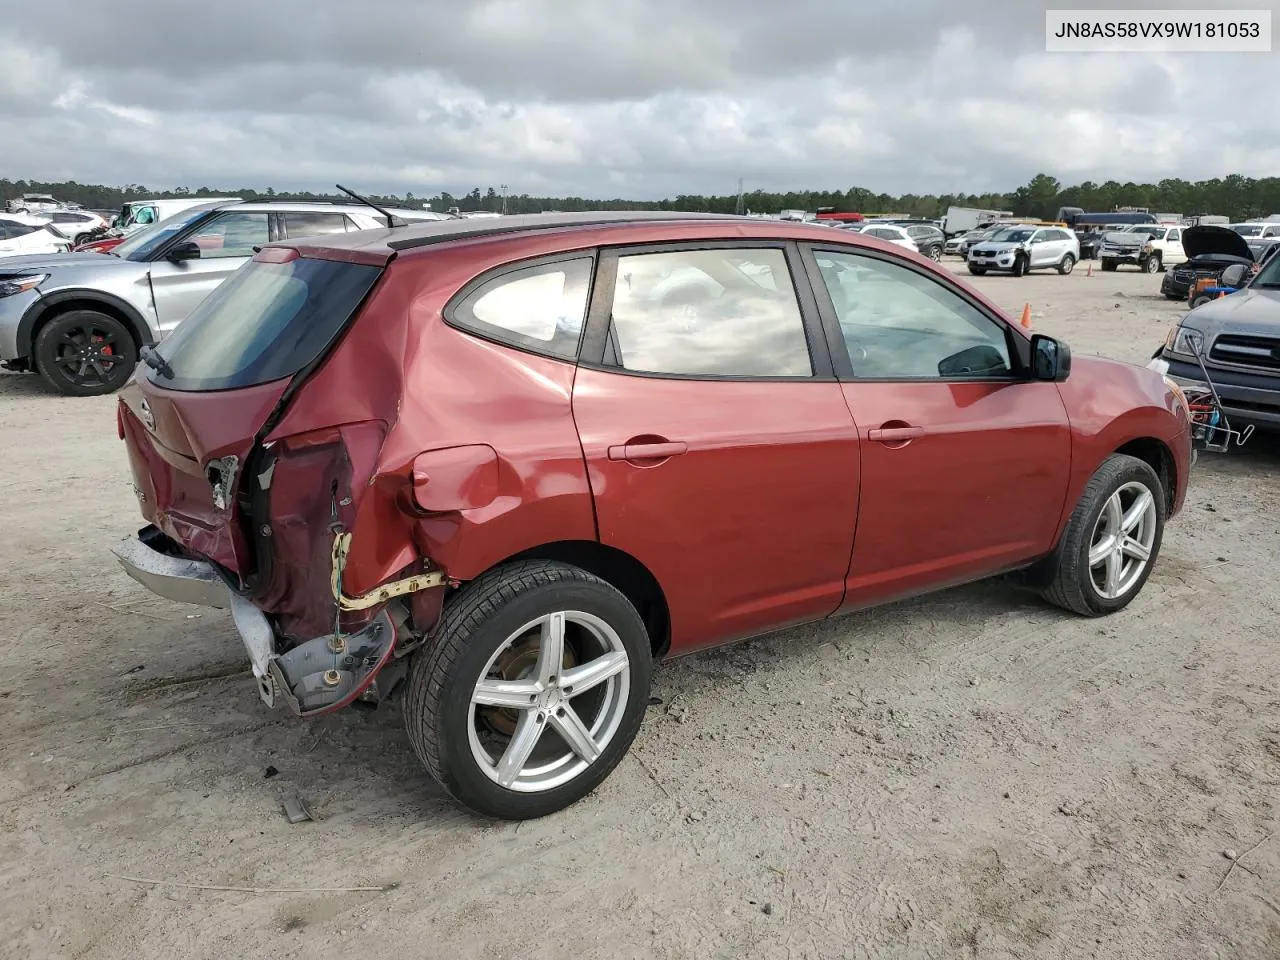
532,690
934,252
1112,539
83,353
1067,264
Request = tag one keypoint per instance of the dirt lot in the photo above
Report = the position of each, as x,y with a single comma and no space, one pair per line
969,775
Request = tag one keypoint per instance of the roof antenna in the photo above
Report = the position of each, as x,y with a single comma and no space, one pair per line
391,221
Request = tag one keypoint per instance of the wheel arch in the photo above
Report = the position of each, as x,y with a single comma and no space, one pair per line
48,307
1156,454
619,569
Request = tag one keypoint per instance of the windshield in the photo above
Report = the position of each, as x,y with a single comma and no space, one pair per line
1268,276
1247,229
266,323
1011,236
148,240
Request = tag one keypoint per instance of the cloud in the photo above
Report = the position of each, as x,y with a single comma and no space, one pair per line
641,98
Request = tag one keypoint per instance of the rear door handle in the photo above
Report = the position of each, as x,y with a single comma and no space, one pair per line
647,451
894,434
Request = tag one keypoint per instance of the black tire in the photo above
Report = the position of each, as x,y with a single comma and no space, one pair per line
476,623
1072,586
1152,263
1108,265
1201,299
977,271
1019,266
1067,264
934,252
84,353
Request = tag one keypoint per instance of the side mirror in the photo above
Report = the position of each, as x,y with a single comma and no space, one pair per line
1050,359
184,251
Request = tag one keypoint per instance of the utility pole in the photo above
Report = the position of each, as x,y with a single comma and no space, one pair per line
737,207
504,199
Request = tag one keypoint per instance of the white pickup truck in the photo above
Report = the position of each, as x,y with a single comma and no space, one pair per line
1148,246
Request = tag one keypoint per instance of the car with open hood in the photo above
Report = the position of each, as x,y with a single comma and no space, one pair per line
1209,250
81,320
499,468
1020,248
1233,340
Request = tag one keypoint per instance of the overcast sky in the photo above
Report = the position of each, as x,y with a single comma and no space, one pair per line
606,98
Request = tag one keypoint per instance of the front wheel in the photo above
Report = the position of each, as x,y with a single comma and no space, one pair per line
531,691
1152,263
1067,265
84,353
1112,539
1019,266
1200,299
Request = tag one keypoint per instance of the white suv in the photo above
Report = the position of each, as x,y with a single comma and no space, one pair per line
1019,248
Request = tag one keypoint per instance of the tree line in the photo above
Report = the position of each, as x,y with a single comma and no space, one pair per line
1234,196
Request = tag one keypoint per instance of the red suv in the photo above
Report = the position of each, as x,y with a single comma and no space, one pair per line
502,466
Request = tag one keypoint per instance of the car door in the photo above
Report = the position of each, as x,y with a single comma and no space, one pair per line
1173,247
225,241
1043,249
719,447
964,460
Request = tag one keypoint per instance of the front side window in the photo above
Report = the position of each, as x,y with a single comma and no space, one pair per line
539,308
231,235
708,313
898,324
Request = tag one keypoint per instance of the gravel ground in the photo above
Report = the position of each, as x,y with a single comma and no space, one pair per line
973,774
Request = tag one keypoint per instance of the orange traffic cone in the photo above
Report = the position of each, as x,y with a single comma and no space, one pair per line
1026,316
1221,294
1089,272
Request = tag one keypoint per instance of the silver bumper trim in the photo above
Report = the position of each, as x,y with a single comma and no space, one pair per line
174,578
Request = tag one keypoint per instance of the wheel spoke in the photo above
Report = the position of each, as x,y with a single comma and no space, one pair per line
84,368
1137,510
1113,515
1115,561
1135,549
551,648
570,726
514,694
1101,550
591,674
528,729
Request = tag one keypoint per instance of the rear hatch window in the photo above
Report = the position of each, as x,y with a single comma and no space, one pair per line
265,323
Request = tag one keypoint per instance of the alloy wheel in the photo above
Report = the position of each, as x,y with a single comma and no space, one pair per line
1123,539
87,354
549,701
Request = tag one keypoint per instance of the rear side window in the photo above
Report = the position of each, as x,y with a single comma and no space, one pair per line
313,224
708,313
539,308
265,323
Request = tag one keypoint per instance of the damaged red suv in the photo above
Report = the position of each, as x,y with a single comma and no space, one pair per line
500,467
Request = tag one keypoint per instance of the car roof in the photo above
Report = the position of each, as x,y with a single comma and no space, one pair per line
553,233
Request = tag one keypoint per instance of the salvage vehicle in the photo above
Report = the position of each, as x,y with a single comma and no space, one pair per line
1149,246
81,320
1020,249
1209,251
23,235
1229,347
499,468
